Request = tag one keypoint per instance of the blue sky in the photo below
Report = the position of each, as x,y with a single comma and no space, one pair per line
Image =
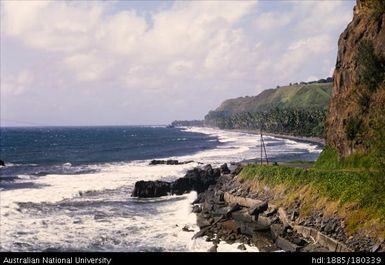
151,62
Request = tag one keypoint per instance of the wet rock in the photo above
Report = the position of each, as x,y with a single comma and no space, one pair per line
168,162
202,222
196,179
224,169
199,199
196,209
147,189
213,248
201,233
242,247
187,229
2,163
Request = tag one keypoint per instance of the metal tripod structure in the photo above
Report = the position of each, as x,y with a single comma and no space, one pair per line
263,148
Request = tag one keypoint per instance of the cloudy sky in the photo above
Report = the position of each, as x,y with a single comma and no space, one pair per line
127,62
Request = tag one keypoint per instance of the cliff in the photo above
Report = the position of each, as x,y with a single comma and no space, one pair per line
357,106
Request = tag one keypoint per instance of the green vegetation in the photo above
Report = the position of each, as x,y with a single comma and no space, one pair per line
297,96
377,8
329,159
353,193
302,122
371,67
342,185
298,109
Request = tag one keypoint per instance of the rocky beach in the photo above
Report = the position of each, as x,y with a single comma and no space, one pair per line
230,209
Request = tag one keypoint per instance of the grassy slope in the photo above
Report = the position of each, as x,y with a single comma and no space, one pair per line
349,188
295,96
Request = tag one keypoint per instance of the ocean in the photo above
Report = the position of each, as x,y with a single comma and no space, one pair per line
69,188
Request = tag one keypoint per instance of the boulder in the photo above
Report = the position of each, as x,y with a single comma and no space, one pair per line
201,233
196,179
2,164
258,208
168,162
196,209
224,169
213,248
276,230
231,225
242,216
187,229
286,245
147,189
235,169
233,208
241,247
248,228
202,221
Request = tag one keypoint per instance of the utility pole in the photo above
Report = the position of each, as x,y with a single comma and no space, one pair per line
263,148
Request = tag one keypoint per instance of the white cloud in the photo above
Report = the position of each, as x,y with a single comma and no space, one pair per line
211,48
88,66
17,84
272,20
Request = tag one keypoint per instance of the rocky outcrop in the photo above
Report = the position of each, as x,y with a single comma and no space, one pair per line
358,87
2,164
168,162
198,179
228,212
148,189
231,211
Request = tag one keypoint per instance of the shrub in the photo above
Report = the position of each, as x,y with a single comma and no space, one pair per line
370,66
377,8
352,128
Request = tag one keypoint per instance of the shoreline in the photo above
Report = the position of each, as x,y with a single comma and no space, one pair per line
305,139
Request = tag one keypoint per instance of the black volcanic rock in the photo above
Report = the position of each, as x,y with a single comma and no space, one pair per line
2,164
198,179
168,162
225,169
147,189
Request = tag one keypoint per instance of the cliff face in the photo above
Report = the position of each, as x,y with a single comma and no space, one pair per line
358,93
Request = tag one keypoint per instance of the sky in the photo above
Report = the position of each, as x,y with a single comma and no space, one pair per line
152,62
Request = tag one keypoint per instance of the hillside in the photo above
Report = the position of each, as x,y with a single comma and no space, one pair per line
304,96
297,109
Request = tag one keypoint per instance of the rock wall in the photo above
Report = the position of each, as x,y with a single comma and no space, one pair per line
346,104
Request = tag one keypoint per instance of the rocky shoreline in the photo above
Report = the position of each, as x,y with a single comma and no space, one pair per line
228,210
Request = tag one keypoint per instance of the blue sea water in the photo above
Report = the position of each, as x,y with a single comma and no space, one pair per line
44,150
69,188
84,145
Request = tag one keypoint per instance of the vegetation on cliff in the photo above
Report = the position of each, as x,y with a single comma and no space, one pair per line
352,193
297,109
354,122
